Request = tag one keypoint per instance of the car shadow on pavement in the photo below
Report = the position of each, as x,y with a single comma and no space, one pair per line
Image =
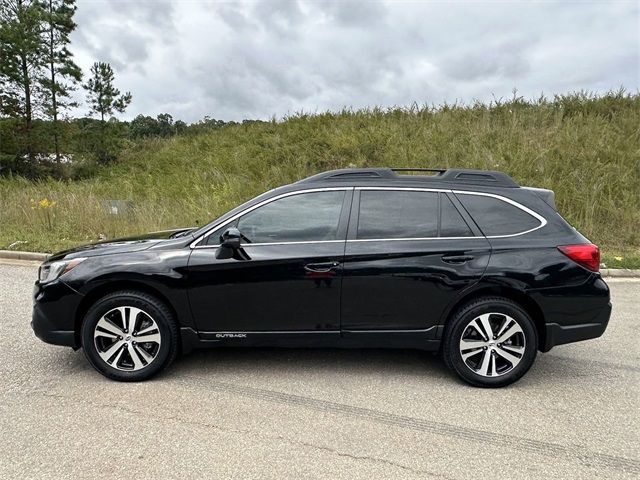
275,361
360,362
318,360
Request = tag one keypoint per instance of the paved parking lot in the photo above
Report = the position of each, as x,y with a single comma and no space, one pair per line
268,413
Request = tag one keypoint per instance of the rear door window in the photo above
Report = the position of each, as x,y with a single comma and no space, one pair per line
496,217
397,214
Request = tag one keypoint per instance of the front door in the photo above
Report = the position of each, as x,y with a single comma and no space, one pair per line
289,273
409,253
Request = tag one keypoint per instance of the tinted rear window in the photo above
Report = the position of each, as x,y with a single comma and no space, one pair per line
497,217
397,214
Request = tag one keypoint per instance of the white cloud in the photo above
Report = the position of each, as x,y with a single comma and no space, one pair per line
259,59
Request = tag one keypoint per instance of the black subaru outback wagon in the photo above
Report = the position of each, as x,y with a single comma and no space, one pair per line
462,261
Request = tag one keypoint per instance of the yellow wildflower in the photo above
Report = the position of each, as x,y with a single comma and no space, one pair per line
46,203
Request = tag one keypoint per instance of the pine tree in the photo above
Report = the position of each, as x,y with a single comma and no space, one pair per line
62,73
21,57
103,97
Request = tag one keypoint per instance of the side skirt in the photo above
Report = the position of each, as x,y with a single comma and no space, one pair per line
413,339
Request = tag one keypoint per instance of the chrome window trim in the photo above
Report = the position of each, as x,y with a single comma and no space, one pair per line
537,216
410,189
271,244
194,244
417,239
315,242
303,242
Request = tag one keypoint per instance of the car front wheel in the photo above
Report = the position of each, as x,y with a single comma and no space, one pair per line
490,342
129,336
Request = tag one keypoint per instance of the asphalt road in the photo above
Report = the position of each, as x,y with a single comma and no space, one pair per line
268,413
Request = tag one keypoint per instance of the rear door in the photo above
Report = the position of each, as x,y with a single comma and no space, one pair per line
409,253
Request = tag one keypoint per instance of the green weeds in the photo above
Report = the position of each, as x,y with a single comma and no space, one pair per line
585,148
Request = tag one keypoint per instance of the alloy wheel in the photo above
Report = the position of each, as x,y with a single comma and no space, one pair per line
492,344
127,338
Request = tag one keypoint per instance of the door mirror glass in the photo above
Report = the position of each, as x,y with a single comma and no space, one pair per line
229,243
231,238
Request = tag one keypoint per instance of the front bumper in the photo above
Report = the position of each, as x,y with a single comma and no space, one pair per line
53,318
47,332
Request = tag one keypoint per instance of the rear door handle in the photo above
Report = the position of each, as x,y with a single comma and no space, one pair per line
321,267
456,258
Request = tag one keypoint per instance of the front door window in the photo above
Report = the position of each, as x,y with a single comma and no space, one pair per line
306,217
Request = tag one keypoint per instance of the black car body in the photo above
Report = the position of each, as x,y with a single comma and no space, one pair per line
347,258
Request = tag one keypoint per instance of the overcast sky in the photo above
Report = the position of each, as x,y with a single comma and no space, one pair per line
258,59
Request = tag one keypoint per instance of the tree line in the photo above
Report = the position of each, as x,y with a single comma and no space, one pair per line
38,78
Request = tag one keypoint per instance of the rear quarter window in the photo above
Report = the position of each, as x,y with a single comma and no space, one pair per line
497,217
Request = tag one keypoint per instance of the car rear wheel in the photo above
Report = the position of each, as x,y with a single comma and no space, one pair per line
490,342
129,336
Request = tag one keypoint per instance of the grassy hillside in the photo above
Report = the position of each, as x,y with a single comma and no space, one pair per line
586,149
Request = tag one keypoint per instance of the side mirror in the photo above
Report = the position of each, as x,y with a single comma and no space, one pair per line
231,238
229,243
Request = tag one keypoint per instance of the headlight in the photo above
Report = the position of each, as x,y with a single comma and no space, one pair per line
48,272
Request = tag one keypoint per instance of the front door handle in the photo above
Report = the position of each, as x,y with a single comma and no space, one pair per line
321,267
456,258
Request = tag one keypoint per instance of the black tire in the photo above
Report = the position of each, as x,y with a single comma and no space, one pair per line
459,325
152,307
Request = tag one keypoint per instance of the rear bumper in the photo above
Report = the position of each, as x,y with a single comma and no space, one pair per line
573,313
560,334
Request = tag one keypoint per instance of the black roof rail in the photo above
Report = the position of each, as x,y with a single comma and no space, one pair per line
432,170
487,178
351,173
479,177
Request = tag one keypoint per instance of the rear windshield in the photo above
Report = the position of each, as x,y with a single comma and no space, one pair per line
497,217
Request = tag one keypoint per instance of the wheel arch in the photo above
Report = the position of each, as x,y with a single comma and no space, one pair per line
104,289
513,294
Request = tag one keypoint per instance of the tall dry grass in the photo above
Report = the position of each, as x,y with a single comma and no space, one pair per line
585,148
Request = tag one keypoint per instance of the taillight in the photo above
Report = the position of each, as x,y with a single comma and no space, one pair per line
587,255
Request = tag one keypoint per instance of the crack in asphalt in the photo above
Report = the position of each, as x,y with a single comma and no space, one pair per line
363,457
584,456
